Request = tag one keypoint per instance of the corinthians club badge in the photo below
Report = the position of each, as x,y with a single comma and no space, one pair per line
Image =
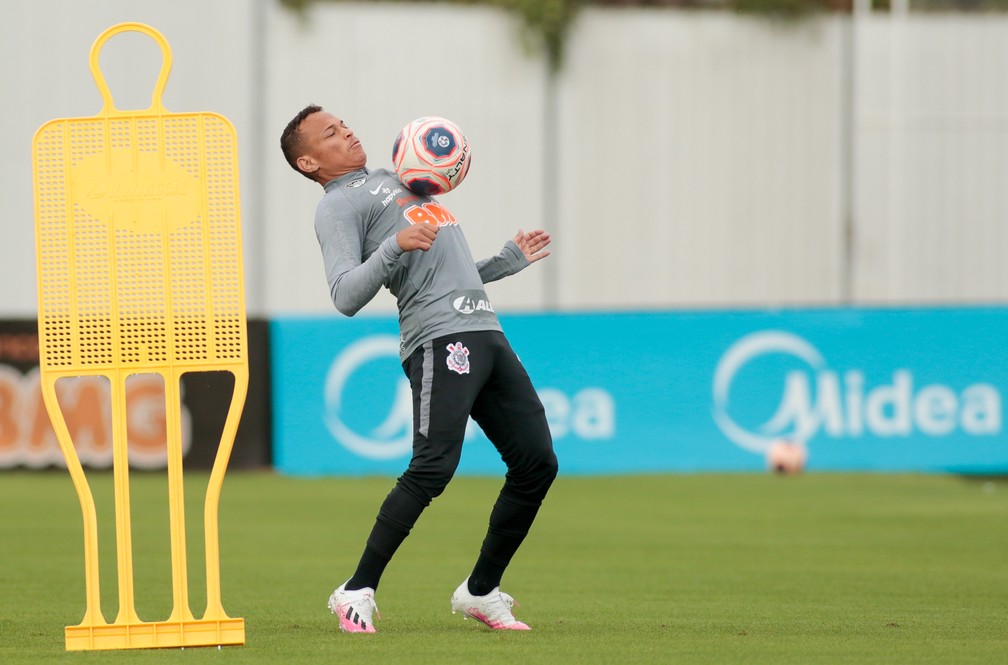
458,358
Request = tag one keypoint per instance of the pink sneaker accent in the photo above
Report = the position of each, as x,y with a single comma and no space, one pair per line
354,609
496,624
493,609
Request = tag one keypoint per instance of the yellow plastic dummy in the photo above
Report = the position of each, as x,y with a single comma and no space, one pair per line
138,241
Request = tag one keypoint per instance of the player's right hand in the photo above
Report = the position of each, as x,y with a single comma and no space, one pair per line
417,236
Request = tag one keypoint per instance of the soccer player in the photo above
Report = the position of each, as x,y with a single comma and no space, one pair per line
375,232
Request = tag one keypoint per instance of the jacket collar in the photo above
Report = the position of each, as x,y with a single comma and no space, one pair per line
346,178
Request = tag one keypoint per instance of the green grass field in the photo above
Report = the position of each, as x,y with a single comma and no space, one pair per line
659,569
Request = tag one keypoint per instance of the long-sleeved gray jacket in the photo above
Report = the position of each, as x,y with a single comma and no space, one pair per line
438,292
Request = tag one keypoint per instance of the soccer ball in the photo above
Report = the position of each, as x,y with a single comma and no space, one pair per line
431,156
787,457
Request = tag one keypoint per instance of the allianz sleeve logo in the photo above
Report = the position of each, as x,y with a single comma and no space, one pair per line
842,404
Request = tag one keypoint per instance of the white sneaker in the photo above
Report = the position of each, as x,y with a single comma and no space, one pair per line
354,609
493,609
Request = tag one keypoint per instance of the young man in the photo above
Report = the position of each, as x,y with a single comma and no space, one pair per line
453,351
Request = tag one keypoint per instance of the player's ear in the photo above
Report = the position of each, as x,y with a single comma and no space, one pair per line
307,164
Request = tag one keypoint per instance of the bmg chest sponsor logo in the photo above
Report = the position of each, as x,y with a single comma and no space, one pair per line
813,399
369,404
430,212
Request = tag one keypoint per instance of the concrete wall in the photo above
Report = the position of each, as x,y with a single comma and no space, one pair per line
44,48
931,160
680,158
701,160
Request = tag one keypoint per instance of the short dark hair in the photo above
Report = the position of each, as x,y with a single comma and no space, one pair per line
291,141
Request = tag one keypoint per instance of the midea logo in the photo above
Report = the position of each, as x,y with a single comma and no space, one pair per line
588,414
819,399
394,436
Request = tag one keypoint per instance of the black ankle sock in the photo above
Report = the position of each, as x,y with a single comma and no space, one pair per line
396,517
485,577
369,570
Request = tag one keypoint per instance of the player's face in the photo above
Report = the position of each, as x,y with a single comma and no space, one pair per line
331,148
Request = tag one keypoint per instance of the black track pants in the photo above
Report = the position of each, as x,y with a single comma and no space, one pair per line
453,377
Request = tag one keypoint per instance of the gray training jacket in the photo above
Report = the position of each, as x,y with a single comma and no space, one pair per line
439,292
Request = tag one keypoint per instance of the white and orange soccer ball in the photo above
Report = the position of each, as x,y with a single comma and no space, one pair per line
787,457
431,155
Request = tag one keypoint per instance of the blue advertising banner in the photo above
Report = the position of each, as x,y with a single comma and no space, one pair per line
861,389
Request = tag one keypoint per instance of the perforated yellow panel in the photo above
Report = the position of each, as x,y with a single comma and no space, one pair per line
140,271
139,249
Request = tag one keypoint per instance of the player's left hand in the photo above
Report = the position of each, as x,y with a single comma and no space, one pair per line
533,244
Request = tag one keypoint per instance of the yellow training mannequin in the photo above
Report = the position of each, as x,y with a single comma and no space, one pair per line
138,241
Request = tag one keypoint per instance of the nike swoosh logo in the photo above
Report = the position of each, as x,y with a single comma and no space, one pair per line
375,190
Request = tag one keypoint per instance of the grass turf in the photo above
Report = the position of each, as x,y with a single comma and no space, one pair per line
657,569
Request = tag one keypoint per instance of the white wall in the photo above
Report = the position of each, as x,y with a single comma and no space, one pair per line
701,161
702,156
931,160
44,50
